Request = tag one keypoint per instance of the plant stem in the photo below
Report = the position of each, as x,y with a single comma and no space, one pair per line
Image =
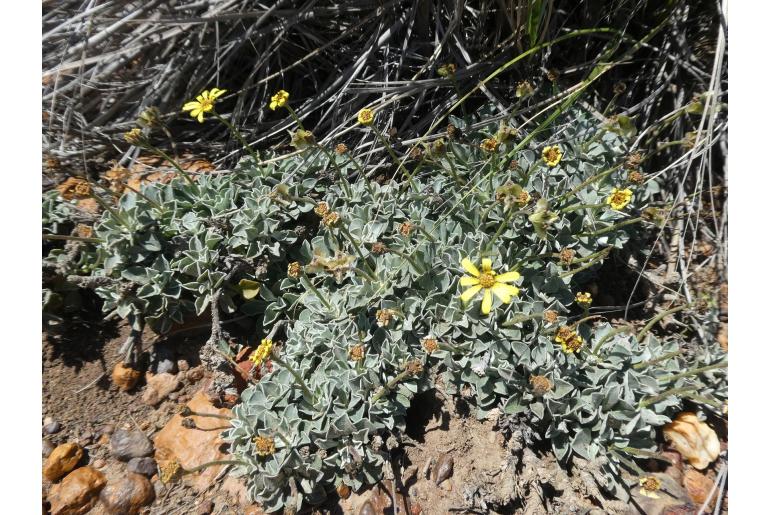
171,160
235,132
309,285
344,230
297,377
657,319
394,157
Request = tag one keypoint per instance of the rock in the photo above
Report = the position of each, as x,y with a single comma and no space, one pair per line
127,495
48,448
205,507
444,468
86,438
99,464
166,366
62,460
77,493
125,377
195,374
158,387
254,509
144,466
183,365
694,440
193,447
107,429
173,396
125,445
415,509
52,428
698,487
235,488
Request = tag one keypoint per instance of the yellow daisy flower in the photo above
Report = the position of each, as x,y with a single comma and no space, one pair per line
552,155
583,298
203,103
366,116
489,281
619,199
262,352
279,99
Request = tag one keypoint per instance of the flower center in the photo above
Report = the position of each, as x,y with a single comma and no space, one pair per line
207,105
552,154
486,280
618,198
651,484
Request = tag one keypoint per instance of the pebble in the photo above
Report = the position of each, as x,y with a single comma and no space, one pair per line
48,448
125,445
183,399
195,374
125,377
205,507
164,360
144,466
127,494
166,366
62,460
107,429
77,493
99,464
86,438
183,365
52,427
158,388
444,468
173,396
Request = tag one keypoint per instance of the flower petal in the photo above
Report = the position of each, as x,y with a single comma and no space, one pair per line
467,280
199,98
471,292
504,292
190,105
486,303
216,93
200,117
195,112
470,267
508,277
486,265
205,95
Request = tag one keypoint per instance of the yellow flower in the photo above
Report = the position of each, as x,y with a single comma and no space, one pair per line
583,298
569,339
619,199
552,155
294,269
489,145
366,116
356,352
430,344
649,486
264,446
262,352
490,282
384,316
134,136
203,103
279,99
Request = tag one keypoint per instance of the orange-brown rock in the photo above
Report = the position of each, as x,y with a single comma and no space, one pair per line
694,440
62,460
193,447
698,487
77,493
127,495
159,386
125,377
